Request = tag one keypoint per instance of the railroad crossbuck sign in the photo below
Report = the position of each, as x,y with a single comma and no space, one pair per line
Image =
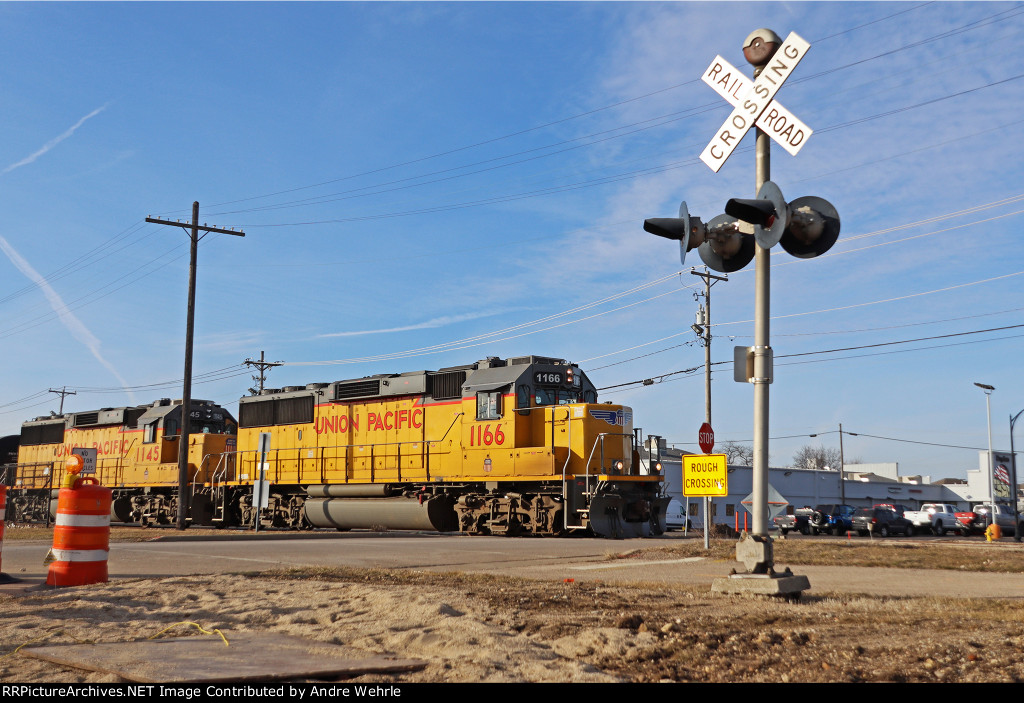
705,475
753,103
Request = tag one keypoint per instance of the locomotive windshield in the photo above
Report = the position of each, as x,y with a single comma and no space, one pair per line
563,396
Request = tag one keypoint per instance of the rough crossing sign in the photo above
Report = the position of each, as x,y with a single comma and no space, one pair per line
751,103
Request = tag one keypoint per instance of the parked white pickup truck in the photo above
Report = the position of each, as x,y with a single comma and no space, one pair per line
937,518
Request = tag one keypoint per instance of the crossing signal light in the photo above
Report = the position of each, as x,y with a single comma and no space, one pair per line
813,227
768,213
806,227
726,248
720,243
688,230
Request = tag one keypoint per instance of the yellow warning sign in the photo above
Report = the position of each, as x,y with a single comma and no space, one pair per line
705,475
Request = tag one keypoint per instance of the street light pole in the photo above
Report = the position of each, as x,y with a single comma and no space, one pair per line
991,488
842,471
1013,480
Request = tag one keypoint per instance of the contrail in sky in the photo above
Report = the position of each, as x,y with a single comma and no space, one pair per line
55,141
429,324
74,325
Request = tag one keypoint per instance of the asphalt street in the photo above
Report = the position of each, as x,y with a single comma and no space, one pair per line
579,559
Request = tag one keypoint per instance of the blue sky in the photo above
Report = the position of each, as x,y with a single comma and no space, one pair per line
426,184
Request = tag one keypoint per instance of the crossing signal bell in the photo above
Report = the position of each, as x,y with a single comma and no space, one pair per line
719,242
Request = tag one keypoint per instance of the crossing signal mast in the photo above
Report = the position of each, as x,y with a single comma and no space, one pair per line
806,227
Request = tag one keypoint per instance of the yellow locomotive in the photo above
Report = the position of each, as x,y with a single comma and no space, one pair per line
136,457
502,446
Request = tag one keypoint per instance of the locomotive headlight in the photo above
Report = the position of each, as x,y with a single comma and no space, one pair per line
657,467
568,375
618,465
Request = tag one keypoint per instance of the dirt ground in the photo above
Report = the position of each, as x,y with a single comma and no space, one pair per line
488,629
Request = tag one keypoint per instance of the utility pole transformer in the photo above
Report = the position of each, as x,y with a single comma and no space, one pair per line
193,231
262,365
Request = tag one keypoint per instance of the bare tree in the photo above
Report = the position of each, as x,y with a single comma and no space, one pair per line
737,453
819,457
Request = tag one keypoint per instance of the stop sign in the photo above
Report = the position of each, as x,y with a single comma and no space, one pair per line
706,438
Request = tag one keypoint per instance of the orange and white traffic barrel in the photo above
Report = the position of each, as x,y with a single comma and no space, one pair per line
81,537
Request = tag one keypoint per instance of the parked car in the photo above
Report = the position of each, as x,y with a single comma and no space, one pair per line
799,521
897,507
977,519
832,518
881,521
937,518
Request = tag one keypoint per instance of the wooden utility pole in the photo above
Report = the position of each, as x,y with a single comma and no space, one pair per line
704,333
703,330
262,366
193,231
63,392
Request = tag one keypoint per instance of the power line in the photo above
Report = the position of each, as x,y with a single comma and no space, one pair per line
856,434
963,28
649,381
966,27
554,190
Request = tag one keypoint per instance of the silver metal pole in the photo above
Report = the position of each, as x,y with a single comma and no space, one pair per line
991,488
842,472
1013,481
991,464
762,306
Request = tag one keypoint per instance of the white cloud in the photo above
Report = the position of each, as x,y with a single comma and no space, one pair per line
429,324
53,142
72,323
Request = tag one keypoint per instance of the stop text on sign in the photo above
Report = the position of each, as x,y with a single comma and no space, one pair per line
705,475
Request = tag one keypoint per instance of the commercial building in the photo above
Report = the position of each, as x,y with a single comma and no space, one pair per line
790,488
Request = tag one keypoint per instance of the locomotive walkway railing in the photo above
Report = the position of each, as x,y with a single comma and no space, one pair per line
336,463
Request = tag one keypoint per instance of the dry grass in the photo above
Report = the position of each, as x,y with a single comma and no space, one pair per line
1004,556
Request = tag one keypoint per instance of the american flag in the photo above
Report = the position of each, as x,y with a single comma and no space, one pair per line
1002,475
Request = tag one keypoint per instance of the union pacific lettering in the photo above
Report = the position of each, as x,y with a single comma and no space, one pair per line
117,447
341,423
375,422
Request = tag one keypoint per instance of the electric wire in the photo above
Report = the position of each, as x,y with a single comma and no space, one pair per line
605,180
661,377
823,129
677,86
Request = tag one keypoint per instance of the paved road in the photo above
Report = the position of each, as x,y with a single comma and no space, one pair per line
579,559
